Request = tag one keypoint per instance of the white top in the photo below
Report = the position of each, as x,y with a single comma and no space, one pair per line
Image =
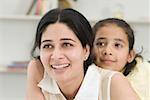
95,86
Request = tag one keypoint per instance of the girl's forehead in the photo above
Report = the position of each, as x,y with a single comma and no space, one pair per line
111,31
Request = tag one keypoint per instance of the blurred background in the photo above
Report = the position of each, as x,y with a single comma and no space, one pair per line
18,22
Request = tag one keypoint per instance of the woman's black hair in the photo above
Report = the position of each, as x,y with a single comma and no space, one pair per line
74,20
129,32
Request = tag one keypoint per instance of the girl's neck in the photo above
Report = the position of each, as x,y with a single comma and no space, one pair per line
70,88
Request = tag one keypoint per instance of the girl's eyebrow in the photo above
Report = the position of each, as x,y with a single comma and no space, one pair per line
100,38
120,40
117,40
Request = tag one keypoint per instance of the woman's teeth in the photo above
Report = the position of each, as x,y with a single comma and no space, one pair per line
60,66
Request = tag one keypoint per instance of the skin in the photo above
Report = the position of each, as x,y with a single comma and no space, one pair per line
121,89
35,74
71,75
111,48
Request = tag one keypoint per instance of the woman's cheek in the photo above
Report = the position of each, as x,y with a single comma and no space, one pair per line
44,58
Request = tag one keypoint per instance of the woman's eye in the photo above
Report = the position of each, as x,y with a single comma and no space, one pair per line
46,46
67,45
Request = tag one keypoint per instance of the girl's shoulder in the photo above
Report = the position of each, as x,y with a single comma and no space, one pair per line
141,68
140,73
35,69
139,78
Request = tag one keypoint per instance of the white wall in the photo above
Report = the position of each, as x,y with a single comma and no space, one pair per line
12,86
96,9
142,38
16,40
14,6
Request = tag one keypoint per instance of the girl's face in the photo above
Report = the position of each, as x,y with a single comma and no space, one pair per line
62,53
111,48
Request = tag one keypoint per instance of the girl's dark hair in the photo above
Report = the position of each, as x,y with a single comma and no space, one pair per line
74,20
129,32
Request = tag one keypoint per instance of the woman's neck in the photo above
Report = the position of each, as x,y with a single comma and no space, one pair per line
70,88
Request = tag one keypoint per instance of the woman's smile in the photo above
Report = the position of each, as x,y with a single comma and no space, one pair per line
59,66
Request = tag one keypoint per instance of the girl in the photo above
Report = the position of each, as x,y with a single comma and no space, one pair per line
113,49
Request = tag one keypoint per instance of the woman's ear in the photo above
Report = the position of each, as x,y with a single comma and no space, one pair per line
87,52
131,56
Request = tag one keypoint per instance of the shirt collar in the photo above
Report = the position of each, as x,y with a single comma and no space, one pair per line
48,84
89,89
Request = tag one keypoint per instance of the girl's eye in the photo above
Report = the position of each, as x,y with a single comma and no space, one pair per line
100,44
118,45
67,45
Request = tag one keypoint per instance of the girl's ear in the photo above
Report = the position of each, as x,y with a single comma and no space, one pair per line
131,56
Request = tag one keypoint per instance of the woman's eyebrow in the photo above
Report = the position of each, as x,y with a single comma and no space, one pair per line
46,41
68,39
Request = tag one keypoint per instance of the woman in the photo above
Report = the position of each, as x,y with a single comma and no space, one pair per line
64,39
113,47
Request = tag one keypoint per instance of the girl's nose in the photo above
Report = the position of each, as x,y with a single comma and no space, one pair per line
107,51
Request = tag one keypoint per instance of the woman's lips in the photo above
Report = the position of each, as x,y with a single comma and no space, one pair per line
60,66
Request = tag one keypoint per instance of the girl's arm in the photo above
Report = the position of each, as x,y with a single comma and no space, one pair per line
34,75
121,88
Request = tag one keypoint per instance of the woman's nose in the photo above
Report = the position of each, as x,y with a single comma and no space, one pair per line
56,53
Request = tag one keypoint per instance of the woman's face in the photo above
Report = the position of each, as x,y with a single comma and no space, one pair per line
111,48
62,53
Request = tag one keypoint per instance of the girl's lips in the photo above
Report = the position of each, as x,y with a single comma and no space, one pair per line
108,61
